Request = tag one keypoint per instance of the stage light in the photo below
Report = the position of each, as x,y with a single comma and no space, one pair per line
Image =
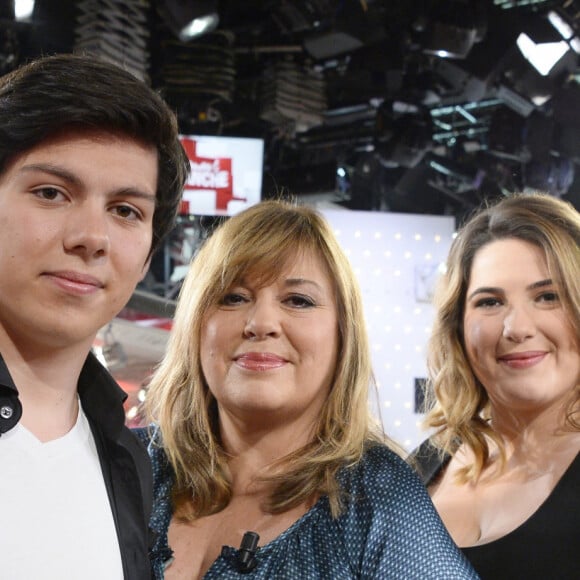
565,29
199,26
349,28
447,41
542,56
451,28
23,10
536,79
190,19
539,62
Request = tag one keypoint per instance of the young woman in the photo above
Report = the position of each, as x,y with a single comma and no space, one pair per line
503,467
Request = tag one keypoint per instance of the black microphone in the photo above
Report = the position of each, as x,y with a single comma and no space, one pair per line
246,558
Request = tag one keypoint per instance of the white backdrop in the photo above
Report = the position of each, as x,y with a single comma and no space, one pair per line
397,258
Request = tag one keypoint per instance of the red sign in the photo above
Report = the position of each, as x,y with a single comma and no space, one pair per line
209,174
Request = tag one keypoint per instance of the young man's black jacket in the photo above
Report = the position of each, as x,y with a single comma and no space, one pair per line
124,461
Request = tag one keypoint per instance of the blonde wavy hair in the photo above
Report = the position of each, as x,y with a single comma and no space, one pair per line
260,241
458,402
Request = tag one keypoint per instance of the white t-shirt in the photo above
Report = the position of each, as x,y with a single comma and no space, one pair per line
55,521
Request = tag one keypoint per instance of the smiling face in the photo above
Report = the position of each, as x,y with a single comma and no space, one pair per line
269,353
518,338
75,230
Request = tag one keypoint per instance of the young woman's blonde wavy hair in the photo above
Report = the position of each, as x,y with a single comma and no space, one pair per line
260,242
459,405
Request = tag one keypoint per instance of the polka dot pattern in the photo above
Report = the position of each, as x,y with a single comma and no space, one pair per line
389,529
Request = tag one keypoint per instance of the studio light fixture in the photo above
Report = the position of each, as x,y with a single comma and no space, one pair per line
189,19
545,40
538,63
23,10
542,56
446,41
567,32
451,28
348,29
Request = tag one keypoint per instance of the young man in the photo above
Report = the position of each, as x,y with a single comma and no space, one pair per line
91,176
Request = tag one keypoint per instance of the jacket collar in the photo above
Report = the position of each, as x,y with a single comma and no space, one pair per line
101,397
10,406
5,378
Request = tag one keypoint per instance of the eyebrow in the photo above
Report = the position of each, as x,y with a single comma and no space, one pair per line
52,170
74,180
494,290
301,281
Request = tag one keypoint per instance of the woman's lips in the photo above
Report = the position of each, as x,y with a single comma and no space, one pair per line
522,360
260,361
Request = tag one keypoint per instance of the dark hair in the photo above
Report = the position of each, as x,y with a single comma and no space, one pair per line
63,92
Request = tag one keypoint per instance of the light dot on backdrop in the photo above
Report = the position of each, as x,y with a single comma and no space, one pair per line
386,251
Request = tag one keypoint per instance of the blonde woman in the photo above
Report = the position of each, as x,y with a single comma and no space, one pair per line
261,423
503,467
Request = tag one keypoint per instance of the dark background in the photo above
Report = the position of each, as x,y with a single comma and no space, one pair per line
354,85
